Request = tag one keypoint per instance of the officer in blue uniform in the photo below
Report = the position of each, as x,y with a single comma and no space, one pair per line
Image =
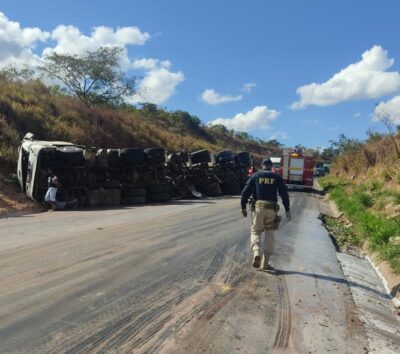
264,186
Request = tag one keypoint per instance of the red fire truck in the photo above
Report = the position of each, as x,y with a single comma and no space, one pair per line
297,167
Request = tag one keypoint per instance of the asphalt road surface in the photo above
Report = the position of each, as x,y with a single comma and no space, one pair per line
173,278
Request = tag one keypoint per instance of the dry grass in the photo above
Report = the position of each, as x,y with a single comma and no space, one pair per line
33,107
373,162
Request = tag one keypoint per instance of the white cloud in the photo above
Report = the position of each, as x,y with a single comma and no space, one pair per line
150,64
365,79
389,109
17,48
158,86
279,136
248,87
258,118
209,96
70,40
357,115
17,44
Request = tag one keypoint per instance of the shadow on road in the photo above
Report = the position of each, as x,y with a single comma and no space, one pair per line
334,280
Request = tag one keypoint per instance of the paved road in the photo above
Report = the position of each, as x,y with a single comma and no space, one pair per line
172,279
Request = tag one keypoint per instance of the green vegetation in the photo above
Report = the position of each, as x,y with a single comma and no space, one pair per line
93,78
372,212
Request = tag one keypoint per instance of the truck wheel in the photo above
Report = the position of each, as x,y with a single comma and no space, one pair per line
131,156
212,190
134,192
113,158
231,188
201,156
223,157
155,155
243,158
160,188
101,160
133,200
159,197
113,184
92,197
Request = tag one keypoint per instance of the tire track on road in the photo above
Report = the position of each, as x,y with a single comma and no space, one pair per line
284,323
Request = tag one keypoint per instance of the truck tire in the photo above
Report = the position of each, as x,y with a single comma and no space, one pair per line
131,156
155,155
90,158
101,159
243,158
158,197
158,193
110,197
113,158
160,188
223,157
212,190
230,188
69,153
201,156
112,184
133,200
133,192
92,197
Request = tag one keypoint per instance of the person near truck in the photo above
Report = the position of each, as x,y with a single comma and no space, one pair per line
53,183
264,186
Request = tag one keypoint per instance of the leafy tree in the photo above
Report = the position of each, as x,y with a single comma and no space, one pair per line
243,135
187,119
273,143
219,128
345,144
94,77
329,154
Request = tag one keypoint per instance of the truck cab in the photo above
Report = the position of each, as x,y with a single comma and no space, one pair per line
34,158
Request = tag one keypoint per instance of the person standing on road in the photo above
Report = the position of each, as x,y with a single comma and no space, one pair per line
53,183
264,186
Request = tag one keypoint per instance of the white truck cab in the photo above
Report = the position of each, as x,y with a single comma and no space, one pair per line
32,171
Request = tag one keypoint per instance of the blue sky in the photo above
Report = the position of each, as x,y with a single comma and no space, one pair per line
234,62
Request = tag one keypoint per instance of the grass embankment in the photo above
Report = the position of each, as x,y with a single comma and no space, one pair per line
50,115
372,214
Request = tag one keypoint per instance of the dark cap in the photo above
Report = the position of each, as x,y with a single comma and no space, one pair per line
267,162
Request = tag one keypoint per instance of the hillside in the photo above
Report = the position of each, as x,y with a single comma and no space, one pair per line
50,115
365,184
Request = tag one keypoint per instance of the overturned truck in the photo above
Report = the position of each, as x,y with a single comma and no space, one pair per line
93,177
106,177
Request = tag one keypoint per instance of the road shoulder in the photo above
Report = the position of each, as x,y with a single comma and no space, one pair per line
375,305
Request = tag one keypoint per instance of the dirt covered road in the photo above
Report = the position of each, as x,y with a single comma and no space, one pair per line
172,278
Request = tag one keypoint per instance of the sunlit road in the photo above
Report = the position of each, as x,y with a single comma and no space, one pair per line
173,278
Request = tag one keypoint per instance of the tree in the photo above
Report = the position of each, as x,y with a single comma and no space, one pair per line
385,117
94,77
329,154
345,144
273,142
